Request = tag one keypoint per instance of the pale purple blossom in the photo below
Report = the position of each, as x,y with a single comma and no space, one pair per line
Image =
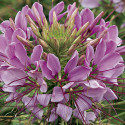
119,5
53,83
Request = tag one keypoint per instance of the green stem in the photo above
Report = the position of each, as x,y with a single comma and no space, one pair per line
117,103
118,115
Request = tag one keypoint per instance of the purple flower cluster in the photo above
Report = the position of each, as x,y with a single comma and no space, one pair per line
60,70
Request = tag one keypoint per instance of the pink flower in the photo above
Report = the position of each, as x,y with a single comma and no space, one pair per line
67,69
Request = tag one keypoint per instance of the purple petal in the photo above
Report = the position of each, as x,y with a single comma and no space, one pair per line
14,97
118,70
57,94
20,21
96,20
19,32
109,61
113,34
83,103
71,9
46,72
10,88
37,112
43,99
78,21
90,116
4,25
85,18
10,97
89,3
109,95
58,9
79,73
116,1
93,84
121,50
52,117
65,99
25,9
123,25
3,44
39,8
120,7
100,52
89,53
21,54
10,50
119,41
53,64
37,52
43,85
8,34
111,47
16,63
68,85
64,112
72,62
113,31
30,103
77,114
16,77
3,57
94,89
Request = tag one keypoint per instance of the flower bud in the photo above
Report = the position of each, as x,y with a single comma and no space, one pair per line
36,14
44,56
81,59
35,30
82,29
71,37
45,23
72,49
24,41
74,13
77,40
54,17
56,43
103,34
43,43
12,24
30,21
96,20
71,18
94,42
70,27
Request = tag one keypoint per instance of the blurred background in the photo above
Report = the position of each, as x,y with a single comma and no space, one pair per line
9,8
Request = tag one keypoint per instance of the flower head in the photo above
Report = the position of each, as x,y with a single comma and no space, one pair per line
58,69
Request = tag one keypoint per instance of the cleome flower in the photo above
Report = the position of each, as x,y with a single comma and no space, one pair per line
59,71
